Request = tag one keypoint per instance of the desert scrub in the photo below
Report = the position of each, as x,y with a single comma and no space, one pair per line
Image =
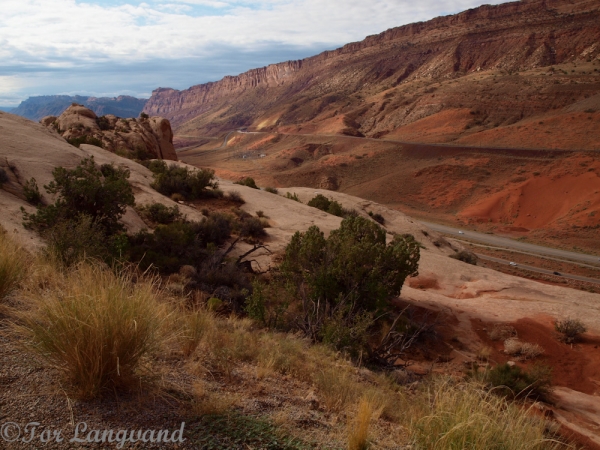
248,181
525,350
13,265
465,256
95,326
570,329
191,184
235,197
32,192
516,383
160,214
450,415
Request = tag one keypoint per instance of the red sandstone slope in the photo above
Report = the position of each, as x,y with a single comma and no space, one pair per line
480,71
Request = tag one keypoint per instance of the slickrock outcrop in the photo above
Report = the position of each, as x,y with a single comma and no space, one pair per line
147,137
472,61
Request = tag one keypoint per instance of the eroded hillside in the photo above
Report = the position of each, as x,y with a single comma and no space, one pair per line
483,77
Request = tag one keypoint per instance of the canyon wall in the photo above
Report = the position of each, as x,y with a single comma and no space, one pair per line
507,38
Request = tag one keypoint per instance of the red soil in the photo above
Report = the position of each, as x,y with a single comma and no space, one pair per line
576,367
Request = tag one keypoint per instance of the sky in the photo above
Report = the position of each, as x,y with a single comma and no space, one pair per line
128,47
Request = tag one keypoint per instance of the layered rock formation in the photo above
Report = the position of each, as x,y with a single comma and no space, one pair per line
147,137
34,108
394,79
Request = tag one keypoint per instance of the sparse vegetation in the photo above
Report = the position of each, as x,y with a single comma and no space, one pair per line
377,217
236,197
465,256
85,139
84,219
13,265
191,184
515,383
526,350
292,197
453,415
501,332
32,192
570,329
272,190
158,213
329,206
248,181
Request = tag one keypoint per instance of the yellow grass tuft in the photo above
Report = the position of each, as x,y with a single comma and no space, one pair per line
466,416
13,265
94,326
358,427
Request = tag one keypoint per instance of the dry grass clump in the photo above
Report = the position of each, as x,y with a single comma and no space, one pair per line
94,326
194,325
358,427
337,387
527,350
452,415
501,332
570,329
13,265
206,401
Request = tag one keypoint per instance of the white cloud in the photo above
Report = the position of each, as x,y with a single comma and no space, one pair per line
45,34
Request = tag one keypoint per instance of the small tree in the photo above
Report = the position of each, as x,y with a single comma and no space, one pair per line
349,277
100,192
84,219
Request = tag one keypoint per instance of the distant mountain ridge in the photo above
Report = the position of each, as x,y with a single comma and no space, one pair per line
35,108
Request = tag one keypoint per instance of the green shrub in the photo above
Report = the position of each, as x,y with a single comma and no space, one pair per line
141,153
465,256
292,197
102,193
161,214
252,227
103,123
236,197
320,202
330,206
176,244
156,166
354,262
70,241
191,184
85,139
570,329
272,190
342,282
377,217
32,192
144,116
514,382
248,181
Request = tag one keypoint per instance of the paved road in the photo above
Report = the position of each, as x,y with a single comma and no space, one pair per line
537,269
513,244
